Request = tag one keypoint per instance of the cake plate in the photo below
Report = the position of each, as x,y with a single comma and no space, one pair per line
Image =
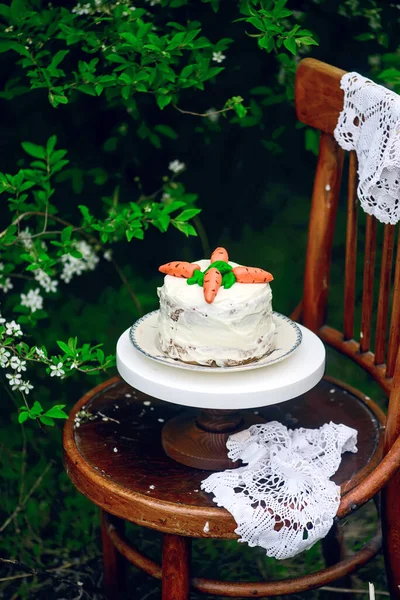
224,398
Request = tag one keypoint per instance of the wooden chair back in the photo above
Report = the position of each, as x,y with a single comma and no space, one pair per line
319,100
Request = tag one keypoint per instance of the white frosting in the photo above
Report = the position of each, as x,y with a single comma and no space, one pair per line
236,327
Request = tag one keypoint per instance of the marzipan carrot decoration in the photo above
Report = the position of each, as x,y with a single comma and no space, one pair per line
251,275
219,254
179,268
212,283
219,273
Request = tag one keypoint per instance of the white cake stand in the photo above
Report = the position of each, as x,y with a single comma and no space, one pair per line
200,441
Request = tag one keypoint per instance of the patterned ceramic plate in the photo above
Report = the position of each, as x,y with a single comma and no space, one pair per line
144,336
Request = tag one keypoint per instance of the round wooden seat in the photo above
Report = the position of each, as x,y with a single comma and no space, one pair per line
115,458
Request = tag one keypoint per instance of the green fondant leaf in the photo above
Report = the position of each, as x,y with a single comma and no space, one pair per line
228,279
222,266
197,277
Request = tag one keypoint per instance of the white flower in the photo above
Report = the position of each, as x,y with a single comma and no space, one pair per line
32,300
81,9
13,328
76,266
25,386
211,115
74,365
176,166
57,370
165,197
14,381
1,266
39,352
107,255
218,57
4,356
7,285
48,284
18,364
26,238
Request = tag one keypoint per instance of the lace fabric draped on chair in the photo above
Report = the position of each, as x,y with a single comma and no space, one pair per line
370,124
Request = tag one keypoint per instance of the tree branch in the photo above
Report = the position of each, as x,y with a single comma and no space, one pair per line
207,114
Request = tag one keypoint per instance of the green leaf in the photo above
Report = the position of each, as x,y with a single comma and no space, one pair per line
290,44
51,143
58,58
64,348
167,131
66,234
56,99
312,140
163,101
36,409
364,37
56,412
34,150
162,222
5,11
174,205
19,48
188,214
185,228
46,420
22,417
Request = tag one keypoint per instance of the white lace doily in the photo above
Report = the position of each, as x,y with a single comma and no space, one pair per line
282,500
370,124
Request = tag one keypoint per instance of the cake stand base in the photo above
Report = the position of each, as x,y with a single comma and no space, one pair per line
200,442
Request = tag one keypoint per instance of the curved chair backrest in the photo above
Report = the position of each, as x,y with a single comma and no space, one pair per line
319,100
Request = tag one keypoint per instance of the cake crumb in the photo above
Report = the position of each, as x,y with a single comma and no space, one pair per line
161,420
147,402
206,527
115,450
152,487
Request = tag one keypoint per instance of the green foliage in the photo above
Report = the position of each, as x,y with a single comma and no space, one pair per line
103,98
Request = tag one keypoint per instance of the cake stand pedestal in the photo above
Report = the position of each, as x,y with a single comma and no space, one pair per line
199,440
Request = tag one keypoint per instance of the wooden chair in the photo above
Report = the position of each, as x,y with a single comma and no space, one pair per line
116,459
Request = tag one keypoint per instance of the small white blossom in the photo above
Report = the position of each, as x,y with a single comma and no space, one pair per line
218,57
26,238
57,370
39,353
47,283
12,328
1,266
74,365
14,381
107,255
25,386
18,364
32,300
165,197
374,60
211,115
4,356
81,9
176,166
6,285
76,266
